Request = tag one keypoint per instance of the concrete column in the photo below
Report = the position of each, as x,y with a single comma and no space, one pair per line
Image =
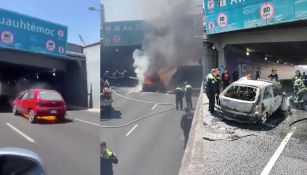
208,59
221,58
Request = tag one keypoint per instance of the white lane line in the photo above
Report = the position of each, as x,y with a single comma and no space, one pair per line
166,94
87,122
279,150
131,130
154,106
21,133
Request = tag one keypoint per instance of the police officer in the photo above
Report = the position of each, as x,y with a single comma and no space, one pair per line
188,94
107,159
212,88
179,96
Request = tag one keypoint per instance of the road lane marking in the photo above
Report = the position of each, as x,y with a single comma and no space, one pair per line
154,106
279,150
166,94
87,122
21,133
131,130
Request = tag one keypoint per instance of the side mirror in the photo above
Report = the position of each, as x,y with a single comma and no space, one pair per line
20,161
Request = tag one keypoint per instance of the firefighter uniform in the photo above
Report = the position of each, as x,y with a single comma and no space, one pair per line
212,87
302,89
108,158
179,97
188,95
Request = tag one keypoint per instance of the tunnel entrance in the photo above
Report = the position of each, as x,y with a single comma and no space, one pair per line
20,71
282,56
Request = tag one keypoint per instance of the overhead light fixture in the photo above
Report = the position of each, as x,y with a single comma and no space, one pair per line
53,74
266,58
247,53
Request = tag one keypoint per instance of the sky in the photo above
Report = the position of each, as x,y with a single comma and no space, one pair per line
122,10
72,13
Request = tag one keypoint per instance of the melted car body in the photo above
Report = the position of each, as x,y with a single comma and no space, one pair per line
250,101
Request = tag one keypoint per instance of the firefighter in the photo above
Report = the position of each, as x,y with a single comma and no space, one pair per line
106,76
188,94
107,159
212,88
258,74
179,97
300,94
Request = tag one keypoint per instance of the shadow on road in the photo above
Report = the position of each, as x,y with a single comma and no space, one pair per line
186,122
110,114
272,122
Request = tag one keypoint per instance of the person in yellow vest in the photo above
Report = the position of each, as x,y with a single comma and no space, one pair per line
179,97
212,87
107,159
188,94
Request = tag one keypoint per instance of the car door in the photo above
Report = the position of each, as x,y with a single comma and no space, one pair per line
277,98
22,103
31,103
268,100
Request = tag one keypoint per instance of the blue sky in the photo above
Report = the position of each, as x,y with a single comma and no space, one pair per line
121,10
72,13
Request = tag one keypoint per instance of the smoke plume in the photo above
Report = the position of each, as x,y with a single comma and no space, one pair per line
173,37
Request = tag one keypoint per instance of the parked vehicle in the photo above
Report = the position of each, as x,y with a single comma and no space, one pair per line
36,103
250,101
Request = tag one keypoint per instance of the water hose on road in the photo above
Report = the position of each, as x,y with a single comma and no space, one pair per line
297,121
138,119
142,101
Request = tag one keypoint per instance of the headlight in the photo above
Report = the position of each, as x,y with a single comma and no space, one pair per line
257,110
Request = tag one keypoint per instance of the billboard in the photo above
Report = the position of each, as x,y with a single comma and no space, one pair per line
231,15
123,33
22,32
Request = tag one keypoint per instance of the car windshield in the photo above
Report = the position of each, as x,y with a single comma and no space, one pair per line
50,95
246,93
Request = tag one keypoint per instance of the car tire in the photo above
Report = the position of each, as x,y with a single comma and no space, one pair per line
15,112
61,118
31,116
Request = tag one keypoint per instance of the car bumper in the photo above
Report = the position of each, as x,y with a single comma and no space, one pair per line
240,118
45,111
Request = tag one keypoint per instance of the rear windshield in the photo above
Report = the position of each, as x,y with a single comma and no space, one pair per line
50,95
246,93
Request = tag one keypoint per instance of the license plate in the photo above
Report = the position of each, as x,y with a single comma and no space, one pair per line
53,112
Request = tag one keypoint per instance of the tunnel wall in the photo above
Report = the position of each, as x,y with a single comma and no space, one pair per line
75,85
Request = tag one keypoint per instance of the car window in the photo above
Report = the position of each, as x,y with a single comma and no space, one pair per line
276,91
246,93
25,95
30,95
50,95
267,93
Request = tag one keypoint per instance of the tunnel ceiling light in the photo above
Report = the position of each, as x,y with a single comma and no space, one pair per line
53,74
247,53
266,58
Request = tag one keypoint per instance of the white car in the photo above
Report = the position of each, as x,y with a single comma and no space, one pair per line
250,101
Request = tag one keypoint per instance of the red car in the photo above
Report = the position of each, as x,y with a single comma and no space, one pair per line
36,103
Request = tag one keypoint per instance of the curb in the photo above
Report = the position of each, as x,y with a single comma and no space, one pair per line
192,161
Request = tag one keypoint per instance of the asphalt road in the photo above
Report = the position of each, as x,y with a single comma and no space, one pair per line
154,145
254,148
70,148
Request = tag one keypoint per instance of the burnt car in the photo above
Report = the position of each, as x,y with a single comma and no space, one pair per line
153,84
250,101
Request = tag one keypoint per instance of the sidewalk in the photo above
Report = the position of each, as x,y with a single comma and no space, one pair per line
192,162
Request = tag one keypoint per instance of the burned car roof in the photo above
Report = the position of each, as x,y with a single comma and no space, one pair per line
255,83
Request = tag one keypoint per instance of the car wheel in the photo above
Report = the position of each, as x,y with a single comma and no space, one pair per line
15,110
31,116
61,118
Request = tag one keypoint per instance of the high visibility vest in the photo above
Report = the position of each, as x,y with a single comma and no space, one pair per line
213,78
108,153
188,86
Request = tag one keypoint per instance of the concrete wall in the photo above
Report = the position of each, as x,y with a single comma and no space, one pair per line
92,53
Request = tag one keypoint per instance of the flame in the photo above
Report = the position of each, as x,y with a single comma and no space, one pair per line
147,80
